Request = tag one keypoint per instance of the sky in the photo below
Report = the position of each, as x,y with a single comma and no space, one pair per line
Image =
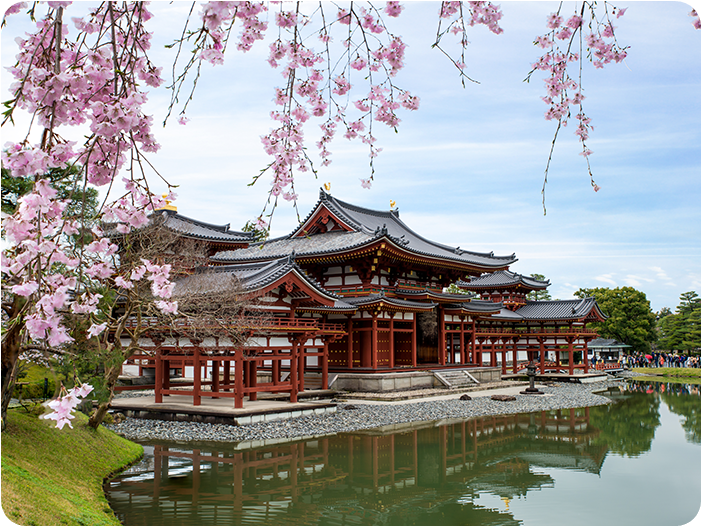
467,168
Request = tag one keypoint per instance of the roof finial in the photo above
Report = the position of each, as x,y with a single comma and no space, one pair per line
291,257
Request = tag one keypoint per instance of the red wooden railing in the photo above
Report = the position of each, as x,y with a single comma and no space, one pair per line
295,324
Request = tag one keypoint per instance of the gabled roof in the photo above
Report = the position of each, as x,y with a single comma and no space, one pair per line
575,309
362,227
201,230
475,307
606,343
555,310
255,277
502,278
380,300
426,294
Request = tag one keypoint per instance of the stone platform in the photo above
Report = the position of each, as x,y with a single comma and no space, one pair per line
582,378
216,411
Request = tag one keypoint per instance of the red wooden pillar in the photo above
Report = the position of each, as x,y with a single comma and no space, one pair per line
293,372
585,361
197,377
374,342
391,336
349,344
462,353
414,340
239,378
301,366
275,368
215,377
442,335
253,378
570,356
542,350
504,357
515,351
325,366
472,339
227,378
166,371
158,396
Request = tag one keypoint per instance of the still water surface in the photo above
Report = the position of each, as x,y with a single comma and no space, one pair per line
635,462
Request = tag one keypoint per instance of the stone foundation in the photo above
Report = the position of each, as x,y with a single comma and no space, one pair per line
388,382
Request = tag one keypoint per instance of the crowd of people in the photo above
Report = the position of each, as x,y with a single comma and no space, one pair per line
660,359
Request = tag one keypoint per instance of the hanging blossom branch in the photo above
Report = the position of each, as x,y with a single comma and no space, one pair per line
455,17
54,260
586,27
318,81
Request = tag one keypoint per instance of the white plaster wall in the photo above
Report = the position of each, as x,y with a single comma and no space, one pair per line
130,369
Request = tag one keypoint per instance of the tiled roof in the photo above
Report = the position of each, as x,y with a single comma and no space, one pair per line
303,246
556,310
252,276
363,301
477,306
501,279
202,230
606,343
369,225
425,293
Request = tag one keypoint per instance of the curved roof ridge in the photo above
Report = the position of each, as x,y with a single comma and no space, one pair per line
220,228
395,217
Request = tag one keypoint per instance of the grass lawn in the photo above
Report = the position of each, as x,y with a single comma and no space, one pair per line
55,477
691,375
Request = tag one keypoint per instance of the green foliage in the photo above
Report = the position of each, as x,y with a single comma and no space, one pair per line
688,408
539,295
627,427
455,290
258,233
681,330
67,184
630,319
54,477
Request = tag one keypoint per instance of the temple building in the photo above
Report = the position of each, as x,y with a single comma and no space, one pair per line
355,290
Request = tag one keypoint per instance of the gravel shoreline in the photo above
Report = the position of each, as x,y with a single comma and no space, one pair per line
351,417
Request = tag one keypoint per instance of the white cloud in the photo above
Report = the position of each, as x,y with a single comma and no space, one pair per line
606,278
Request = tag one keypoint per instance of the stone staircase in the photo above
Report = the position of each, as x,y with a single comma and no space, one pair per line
455,379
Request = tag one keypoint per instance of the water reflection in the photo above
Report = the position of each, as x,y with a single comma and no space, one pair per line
428,475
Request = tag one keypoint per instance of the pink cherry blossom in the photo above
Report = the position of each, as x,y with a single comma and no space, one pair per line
96,329
25,289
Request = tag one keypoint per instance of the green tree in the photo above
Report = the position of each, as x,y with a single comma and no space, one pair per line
681,330
82,202
629,316
68,187
539,295
627,427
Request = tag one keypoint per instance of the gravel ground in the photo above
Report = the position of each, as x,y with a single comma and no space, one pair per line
350,417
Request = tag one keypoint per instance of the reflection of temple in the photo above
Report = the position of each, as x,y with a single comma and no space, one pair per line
364,477
355,290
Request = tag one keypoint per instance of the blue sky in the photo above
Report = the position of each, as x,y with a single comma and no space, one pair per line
466,169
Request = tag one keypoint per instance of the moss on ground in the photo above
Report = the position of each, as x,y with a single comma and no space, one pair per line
55,477
688,375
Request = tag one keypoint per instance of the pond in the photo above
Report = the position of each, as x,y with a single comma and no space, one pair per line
634,462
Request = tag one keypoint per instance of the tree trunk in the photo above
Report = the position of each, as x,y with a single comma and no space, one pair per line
111,376
11,347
